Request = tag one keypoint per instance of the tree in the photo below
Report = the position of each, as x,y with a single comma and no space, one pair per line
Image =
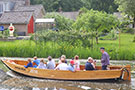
55,5
95,22
62,23
127,7
74,5
102,5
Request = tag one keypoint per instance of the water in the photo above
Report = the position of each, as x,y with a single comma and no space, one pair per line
25,83
17,82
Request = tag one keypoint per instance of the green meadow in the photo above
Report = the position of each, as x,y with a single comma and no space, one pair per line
29,48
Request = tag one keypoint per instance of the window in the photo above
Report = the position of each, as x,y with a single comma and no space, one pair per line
1,8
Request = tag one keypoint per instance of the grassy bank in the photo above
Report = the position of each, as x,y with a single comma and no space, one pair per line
27,48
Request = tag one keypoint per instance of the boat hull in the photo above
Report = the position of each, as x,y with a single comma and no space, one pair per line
66,75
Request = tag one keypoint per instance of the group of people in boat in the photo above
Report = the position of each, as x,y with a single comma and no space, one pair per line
74,64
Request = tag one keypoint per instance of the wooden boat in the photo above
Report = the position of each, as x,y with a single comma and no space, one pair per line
115,72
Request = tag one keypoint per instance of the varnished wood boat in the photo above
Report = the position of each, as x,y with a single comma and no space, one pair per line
115,72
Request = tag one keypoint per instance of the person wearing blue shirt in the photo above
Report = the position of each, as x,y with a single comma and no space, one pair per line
36,62
71,66
29,64
89,65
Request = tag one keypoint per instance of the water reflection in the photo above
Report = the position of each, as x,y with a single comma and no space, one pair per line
48,89
36,84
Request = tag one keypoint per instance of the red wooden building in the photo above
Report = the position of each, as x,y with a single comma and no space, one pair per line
23,21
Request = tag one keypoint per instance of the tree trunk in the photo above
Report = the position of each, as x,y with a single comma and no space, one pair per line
96,37
134,22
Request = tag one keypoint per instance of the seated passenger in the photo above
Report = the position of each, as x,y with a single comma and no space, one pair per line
71,67
42,64
50,63
90,64
36,61
63,56
77,62
62,66
29,64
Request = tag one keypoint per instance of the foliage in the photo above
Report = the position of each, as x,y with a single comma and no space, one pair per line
62,23
55,5
111,36
74,5
4,34
95,22
73,37
134,39
29,49
127,7
102,5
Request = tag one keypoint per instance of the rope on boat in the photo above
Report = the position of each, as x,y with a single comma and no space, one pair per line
123,73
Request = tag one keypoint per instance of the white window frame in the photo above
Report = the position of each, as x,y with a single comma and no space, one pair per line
1,8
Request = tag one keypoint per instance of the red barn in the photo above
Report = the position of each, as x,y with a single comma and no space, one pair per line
23,21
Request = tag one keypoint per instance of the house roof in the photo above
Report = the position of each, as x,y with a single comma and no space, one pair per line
16,17
36,8
70,15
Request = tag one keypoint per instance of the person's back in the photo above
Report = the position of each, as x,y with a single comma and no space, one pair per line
37,62
50,65
42,65
29,64
62,66
89,66
71,66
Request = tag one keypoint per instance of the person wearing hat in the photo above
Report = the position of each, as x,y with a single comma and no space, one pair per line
36,62
50,63
89,64
71,66
105,59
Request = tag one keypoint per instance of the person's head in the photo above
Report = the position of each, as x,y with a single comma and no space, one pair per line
49,58
102,49
42,60
90,59
29,60
54,25
63,60
35,58
63,56
76,57
72,62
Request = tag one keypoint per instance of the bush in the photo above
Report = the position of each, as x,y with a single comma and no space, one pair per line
111,36
73,37
128,30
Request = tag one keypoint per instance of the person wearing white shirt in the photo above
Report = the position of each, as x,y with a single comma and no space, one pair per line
42,65
77,63
62,66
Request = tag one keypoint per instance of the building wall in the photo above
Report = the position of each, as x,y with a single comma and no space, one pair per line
18,27
31,26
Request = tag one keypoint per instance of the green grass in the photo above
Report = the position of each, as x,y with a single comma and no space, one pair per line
27,48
